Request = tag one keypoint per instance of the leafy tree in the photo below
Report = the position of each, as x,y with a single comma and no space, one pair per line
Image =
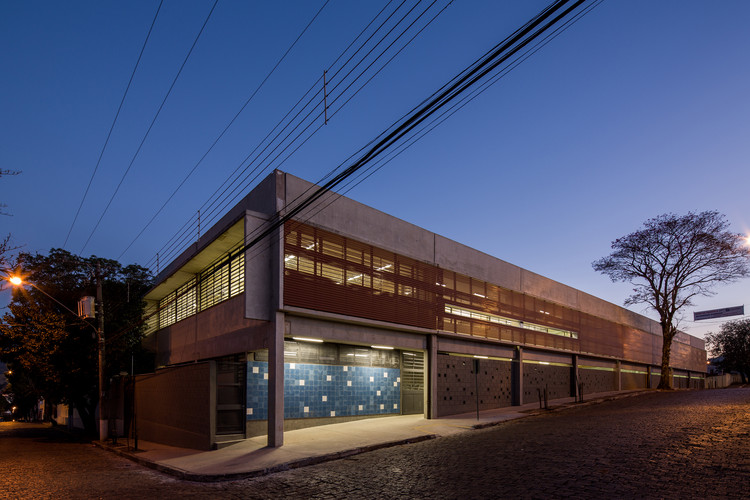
52,353
671,260
732,346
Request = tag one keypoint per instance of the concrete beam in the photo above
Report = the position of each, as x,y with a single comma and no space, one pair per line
276,384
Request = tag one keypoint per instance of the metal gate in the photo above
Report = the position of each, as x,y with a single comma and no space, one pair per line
412,383
231,387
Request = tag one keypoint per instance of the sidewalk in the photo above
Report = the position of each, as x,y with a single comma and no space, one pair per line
251,457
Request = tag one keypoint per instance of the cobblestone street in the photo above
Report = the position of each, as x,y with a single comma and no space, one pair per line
684,444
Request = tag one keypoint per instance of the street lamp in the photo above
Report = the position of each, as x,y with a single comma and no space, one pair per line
17,281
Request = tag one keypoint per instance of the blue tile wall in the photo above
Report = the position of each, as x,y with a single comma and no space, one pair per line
326,390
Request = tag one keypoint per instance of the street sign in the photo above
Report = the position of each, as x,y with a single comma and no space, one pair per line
719,313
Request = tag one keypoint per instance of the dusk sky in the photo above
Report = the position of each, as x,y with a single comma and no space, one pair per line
638,109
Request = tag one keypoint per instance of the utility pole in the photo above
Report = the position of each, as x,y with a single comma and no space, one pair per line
100,342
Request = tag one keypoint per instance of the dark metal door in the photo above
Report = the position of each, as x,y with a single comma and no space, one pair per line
231,387
412,383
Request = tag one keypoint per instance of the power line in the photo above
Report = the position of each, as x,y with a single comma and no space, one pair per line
288,141
111,128
214,204
470,76
153,121
231,122
473,74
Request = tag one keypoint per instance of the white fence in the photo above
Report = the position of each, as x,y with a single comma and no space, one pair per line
721,381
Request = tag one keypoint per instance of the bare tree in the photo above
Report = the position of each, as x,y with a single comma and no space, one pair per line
6,173
671,260
5,245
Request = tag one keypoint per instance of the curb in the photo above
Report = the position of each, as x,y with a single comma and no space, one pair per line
295,464
304,462
561,407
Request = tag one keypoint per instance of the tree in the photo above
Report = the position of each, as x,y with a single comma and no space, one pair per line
6,173
673,259
732,346
53,353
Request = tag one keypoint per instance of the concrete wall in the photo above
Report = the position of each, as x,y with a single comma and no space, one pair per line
176,406
342,330
218,331
258,273
722,381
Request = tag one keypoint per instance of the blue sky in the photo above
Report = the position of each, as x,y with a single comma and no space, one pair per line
639,109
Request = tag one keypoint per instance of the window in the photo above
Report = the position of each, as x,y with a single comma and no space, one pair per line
219,282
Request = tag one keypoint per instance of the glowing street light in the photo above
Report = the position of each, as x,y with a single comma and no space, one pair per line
17,281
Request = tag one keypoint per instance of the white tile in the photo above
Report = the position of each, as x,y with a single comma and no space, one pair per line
325,398
265,376
249,411
395,406
328,378
395,384
378,393
372,379
398,379
301,382
333,413
348,383
292,366
361,407
306,409
382,407
256,369
346,368
385,374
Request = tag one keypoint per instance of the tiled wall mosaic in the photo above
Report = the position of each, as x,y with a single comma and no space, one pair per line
325,390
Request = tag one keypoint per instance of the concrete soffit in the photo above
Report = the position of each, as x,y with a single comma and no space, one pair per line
200,261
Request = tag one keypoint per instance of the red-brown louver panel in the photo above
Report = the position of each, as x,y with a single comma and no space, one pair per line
327,272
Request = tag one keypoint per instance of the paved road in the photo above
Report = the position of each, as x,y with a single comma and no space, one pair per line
682,444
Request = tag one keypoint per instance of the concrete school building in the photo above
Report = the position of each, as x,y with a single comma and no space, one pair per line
350,313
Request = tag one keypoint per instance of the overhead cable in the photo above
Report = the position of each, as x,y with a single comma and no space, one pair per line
148,131
278,150
226,128
111,128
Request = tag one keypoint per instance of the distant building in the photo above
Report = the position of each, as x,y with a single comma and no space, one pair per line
348,313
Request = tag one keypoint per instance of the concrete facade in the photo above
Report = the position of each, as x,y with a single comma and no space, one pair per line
348,290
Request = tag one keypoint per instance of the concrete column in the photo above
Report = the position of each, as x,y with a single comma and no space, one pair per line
516,378
649,384
276,383
688,382
276,343
432,360
618,376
